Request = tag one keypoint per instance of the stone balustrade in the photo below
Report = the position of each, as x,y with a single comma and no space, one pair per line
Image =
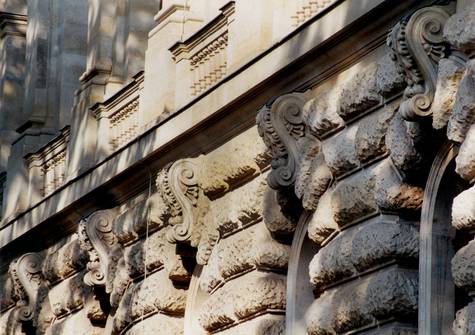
47,167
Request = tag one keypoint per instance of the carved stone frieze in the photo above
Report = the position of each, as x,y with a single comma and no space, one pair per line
280,124
417,45
27,279
190,219
97,238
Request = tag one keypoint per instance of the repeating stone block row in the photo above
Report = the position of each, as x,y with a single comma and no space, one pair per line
391,293
249,249
68,296
63,260
158,324
77,323
362,247
233,162
156,293
366,193
262,325
253,294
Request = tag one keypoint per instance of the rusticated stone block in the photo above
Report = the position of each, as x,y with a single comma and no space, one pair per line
320,114
118,277
459,30
464,323
67,296
359,93
78,323
309,148
391,192
251,294
389,78
400,140
262,325
466,157
64,261
463,210
394,328
382,295
322,223
123,316
240,207
463,267
6,292
317,182
251,248
277,220
158,324
362,247
463,115
448,80
353,198
370,141
339,152
232,162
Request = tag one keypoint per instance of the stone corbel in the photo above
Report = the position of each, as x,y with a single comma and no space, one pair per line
280,125
417,45
27,279
97,239
190,221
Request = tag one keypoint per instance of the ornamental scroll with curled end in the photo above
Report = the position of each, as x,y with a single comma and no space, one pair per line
27,279
280,125
97,239
190,219
417,45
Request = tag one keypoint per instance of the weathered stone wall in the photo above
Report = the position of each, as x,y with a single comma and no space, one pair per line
314,221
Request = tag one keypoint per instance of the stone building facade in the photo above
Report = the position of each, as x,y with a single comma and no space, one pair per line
237,167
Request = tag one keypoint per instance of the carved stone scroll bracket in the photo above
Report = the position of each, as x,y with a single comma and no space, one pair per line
27,278
280,125
97,238
417,45
190,220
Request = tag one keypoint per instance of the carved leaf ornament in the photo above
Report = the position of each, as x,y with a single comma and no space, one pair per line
189,208
417,45
280,125
97,238
27,278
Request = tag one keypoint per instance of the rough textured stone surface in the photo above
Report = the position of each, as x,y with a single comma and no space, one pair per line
234,161
276,219
390,293
317,182
320,114
370,137
448,80
68,296
64,260
359,93
309,148
463,267
251,248
400,140
389,78
464,323
156,293
158,324
78,323
251,294
459,30
353,198
466,157
322,223
262,325
394,328
463,115
463,210
392,193
362,247
240,207
340,152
